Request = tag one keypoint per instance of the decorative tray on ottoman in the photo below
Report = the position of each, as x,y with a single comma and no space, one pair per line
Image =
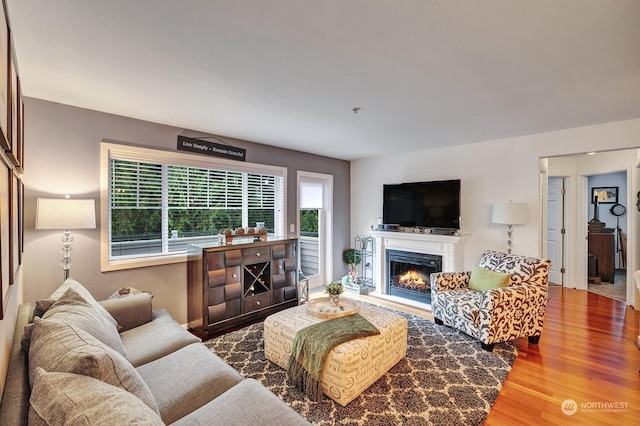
321,308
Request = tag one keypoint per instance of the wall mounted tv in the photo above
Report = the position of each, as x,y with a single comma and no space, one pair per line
433,204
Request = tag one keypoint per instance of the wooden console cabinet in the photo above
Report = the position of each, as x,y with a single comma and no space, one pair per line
238,283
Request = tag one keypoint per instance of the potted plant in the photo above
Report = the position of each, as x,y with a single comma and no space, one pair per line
352,258
334,289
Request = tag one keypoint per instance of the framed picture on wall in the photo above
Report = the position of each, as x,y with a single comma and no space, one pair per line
5,280
20,221
605,194
14,223
14,122
20,147
5,51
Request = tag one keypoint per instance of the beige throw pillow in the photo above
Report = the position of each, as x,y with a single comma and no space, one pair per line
71,308
64,348
86,295
71,399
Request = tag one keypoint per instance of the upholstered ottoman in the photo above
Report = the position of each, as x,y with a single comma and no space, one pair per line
352,366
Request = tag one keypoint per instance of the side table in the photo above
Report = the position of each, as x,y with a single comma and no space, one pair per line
127,291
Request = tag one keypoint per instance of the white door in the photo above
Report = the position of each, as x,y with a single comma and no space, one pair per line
315,226
555,229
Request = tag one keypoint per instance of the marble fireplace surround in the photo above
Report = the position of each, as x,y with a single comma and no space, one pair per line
450,247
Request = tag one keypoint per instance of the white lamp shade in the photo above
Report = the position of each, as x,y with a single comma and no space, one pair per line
510,213
65,214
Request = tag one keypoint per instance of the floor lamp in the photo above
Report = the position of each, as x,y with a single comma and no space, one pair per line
65,214
510,214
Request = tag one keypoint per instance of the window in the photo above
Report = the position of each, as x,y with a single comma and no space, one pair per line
157,203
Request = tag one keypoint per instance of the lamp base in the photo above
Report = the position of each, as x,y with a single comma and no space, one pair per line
509,234
66,251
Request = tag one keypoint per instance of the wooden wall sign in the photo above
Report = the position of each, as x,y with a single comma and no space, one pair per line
211,148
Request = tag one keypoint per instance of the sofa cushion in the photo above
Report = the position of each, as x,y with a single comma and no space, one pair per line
187,379
71,399
142,344
484,279
86,295
64,348
130,311
71,308
231,409
15,402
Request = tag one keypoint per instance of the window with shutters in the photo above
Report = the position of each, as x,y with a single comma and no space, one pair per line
159,202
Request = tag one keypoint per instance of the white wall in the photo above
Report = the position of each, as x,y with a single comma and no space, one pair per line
493,171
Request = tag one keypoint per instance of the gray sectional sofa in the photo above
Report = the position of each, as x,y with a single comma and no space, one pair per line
78,361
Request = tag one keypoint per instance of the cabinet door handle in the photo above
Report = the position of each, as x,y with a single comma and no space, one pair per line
258,303
257,254
234,275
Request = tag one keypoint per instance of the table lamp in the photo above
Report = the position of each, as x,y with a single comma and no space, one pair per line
65,214
510,214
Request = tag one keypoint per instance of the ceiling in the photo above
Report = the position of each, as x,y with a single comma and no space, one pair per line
289,73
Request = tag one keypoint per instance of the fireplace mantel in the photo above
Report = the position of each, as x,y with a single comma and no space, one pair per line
450,247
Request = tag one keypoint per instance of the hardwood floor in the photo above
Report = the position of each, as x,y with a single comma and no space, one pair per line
587,353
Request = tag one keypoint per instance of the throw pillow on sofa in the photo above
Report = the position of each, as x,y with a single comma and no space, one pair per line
63,348
42,306
71,308
86,295
39,310
63,398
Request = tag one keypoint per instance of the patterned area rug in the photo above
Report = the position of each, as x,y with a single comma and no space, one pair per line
445,379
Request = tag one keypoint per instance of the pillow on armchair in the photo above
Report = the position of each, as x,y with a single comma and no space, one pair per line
484,279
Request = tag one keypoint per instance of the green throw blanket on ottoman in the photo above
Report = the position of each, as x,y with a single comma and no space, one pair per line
312,345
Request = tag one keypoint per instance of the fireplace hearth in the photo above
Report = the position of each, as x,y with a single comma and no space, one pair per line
408,274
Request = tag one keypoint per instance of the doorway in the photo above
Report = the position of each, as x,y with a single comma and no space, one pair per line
607,231
575,170
315,226
556,228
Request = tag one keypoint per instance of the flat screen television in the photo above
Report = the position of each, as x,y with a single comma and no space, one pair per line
433,204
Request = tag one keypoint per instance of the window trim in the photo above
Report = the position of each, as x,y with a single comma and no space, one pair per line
137,153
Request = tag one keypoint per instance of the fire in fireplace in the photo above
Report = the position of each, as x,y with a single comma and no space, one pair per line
408,274
411,280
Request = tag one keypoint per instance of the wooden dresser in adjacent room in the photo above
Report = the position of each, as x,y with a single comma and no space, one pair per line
240,282
601,246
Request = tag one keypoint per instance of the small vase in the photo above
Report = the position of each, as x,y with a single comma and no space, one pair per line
334,300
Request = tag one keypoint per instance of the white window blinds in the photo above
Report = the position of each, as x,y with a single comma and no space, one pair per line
159,203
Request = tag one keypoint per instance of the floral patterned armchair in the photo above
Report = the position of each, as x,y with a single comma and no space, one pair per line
495,315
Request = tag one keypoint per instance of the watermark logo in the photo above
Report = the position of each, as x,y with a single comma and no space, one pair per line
569,407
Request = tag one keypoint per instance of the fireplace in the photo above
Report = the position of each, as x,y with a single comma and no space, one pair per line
408,274
449,248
